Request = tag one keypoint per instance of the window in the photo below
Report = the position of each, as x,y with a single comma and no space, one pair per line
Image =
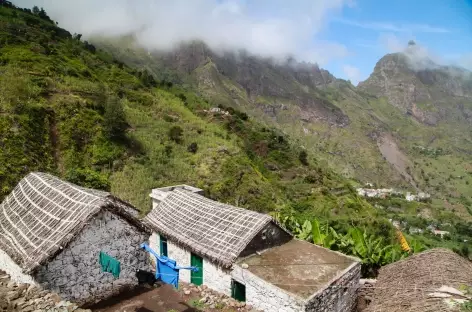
238,290
163,245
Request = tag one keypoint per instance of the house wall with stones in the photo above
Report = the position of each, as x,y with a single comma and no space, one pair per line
14,271
272,235
214,276
265,296
76,274
340,295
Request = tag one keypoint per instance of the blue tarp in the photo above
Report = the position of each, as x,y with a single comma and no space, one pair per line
167,269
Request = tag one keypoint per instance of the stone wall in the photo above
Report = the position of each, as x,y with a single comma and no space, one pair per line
19,297
265,296
214,276
340,295
272,235
13,270
76,274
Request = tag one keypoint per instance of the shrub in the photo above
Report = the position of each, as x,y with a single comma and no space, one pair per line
303,157
192,148
175,134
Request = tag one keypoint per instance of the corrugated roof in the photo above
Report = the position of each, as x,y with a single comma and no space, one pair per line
406,285
43,214
211,229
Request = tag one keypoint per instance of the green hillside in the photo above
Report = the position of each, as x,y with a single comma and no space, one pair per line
69,108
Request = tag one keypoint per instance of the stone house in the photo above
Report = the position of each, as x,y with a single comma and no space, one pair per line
247,255
52,233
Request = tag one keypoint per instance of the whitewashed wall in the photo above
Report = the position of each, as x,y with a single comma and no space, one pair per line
214,277
265,296
14,270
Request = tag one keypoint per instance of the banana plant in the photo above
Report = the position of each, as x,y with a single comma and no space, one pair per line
326,237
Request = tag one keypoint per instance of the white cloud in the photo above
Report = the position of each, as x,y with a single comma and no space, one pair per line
272,28
352,73
419,56
395,27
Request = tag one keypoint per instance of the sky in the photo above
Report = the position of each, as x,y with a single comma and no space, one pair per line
346,37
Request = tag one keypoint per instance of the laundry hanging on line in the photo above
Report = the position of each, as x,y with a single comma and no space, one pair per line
166,269
109,264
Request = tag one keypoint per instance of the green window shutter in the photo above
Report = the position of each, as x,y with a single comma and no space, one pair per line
196,277
163,245
238,291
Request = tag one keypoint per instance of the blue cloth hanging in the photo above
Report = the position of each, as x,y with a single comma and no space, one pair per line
166,269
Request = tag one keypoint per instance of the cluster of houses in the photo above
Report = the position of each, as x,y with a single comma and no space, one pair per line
385,193
86,245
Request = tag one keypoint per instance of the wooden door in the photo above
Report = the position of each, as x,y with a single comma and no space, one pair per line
196,277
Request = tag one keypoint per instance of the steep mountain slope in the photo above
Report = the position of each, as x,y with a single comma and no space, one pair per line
407,126
72,110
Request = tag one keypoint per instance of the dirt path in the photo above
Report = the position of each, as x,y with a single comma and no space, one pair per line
162,298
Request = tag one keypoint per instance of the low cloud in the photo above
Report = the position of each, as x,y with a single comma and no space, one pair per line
268,28
352,73
395,27
420,57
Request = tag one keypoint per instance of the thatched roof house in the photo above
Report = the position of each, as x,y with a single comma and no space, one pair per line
247,255
422,283
211,229
45,222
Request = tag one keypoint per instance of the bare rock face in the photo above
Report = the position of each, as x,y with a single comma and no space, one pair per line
428,92
285,83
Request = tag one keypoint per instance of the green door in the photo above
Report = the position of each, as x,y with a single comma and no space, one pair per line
196,277
238,291
163,245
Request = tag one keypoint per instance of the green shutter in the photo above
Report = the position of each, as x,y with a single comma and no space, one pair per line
196,277
163,245
238,291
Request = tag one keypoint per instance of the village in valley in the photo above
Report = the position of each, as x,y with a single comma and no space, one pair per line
207,175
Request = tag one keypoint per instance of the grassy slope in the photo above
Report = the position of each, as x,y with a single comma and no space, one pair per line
55,91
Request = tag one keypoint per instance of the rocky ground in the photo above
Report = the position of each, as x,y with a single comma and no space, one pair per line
210,300
29,298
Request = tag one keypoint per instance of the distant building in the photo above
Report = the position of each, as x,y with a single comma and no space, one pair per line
246,255
440,233
52,233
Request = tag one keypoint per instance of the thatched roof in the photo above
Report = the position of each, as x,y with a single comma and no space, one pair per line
211,229
408,285
43,214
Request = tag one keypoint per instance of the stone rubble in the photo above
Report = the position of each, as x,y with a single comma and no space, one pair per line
215,300
364,293
30,298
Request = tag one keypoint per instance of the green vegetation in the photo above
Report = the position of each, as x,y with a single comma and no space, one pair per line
196,303
71,109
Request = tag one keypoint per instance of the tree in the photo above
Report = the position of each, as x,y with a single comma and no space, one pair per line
115,123
35,10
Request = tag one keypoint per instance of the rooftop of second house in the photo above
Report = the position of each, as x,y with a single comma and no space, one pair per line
298,267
